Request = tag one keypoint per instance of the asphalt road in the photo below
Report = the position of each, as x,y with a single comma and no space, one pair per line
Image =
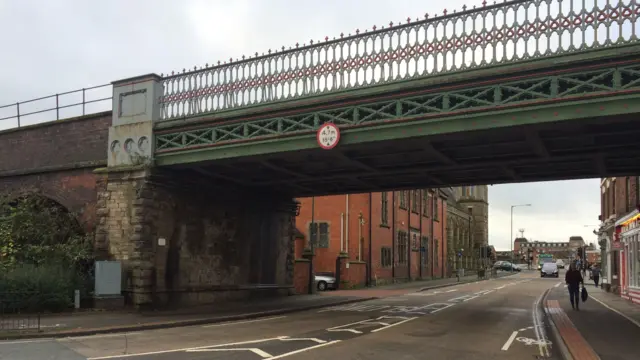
488,319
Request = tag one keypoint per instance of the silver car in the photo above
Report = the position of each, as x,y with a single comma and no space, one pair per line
325,281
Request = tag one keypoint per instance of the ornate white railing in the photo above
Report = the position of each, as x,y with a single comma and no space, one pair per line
495,34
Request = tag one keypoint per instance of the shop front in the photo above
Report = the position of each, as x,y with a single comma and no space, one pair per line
628,243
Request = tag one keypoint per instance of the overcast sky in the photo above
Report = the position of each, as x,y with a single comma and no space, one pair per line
56,46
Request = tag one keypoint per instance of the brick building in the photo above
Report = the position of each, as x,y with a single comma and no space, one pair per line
349,226
618,235
560,250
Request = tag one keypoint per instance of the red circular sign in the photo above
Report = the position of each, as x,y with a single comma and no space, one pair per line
328,136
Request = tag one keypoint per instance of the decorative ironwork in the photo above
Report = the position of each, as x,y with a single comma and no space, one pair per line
440,102
507,32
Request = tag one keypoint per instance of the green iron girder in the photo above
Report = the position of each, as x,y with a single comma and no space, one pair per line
523,92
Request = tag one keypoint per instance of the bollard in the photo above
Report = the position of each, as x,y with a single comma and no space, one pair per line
77,299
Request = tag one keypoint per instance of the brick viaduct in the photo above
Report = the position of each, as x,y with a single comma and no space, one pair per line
57,160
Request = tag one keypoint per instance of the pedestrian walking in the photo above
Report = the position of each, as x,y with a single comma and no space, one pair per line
573,279
595,273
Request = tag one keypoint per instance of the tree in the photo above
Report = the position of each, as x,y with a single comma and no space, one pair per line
36,230
44,255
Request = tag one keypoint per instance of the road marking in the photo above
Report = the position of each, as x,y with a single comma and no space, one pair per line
286,338
256,351
303,350
500,287
506,345
377,321
25,341
530,341
526,328
121,356
444,306
398,323
243,322
452,290
634,322
539,328
99,336
556,285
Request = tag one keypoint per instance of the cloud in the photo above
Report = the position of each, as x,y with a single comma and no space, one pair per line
57,46
560,209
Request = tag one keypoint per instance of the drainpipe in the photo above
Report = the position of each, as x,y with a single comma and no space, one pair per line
443,235
346,236
409,236
420,240
433,243
341,232
369,265
313,226
393,235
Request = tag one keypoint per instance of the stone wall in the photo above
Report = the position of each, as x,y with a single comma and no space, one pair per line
218,245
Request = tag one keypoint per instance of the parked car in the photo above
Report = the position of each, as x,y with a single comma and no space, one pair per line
325,281
506,266
560,264
549,269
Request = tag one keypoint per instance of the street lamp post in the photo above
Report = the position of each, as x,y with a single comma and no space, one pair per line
511,231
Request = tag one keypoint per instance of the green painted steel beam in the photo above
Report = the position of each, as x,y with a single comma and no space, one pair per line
598,106
520,92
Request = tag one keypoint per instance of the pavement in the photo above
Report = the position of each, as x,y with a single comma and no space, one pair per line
606,326
498,318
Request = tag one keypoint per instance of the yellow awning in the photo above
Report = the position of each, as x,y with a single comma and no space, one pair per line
636,217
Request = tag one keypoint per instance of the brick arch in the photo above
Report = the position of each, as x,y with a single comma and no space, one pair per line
75,190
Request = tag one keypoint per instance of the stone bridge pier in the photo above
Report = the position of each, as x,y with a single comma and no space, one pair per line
183,241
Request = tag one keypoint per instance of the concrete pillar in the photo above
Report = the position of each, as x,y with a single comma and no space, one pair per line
135,109
126,197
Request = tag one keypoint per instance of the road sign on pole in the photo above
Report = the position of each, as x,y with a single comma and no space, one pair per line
328,136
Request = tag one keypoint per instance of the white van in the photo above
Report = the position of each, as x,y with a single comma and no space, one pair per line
549,269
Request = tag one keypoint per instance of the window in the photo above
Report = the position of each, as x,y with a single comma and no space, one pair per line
384,211
403,238
415,198
435,208
425,202
320,240
403,199
423,254
385,257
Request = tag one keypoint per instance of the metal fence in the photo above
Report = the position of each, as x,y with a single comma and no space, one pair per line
55,107
13,318
506,32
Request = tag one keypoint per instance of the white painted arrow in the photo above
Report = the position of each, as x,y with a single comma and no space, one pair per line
256,351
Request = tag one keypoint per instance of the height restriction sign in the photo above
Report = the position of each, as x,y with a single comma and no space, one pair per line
328,136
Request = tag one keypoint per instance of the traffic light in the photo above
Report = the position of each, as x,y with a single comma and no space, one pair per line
580,252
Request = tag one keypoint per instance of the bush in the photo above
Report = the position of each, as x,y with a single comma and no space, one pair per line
33,288
44,256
